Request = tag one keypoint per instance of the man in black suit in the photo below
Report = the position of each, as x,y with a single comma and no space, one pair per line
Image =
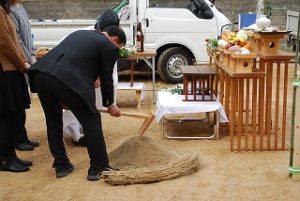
66,76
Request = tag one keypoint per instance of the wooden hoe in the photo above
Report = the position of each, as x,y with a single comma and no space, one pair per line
146,123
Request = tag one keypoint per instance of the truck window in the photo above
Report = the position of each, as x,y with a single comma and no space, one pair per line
198,7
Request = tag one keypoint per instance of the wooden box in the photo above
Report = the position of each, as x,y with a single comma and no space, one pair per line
268,42
252,40
199,83
242,63
226,60
221,54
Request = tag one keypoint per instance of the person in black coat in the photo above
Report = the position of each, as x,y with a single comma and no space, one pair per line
71,126
65,78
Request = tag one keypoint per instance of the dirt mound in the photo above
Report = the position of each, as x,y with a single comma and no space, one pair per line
141,160
139,152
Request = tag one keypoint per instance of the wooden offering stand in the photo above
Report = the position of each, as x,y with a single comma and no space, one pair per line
274,63
255,98
200,82
241,95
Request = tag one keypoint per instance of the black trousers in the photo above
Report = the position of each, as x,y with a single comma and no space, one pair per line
14,99
52,93
21,130
8,125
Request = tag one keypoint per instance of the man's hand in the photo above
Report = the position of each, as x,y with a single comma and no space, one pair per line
63,106
97,83
33,59
26,67
114,110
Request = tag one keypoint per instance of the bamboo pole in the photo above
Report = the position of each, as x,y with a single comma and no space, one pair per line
294,99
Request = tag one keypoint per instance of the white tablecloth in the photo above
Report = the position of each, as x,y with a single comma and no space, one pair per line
168,103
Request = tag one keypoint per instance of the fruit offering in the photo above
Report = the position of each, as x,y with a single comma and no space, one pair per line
234,41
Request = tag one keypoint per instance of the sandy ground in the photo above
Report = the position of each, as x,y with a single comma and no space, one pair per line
223,175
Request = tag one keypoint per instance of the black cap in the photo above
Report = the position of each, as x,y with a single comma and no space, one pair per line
107,18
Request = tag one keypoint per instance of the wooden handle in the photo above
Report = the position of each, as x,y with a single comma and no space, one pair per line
146,124
134,115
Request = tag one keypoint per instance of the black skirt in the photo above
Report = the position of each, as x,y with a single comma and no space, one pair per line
14,95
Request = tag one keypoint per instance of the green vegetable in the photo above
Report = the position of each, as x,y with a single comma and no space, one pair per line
123,52
176,90
214,42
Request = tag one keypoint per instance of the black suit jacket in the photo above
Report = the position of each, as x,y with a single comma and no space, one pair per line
77,62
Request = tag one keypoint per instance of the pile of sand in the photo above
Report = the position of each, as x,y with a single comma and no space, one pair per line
141,160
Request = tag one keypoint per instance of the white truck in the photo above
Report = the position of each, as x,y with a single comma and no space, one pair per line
177,34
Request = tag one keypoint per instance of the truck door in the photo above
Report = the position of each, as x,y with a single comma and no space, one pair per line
185,27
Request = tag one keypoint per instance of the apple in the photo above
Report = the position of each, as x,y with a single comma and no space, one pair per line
228,46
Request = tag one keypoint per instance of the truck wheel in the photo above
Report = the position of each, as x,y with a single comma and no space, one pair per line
169,62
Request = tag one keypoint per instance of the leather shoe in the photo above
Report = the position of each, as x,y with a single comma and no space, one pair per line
24,147
23,162
64,170
81,142
95,175
13,166
33,143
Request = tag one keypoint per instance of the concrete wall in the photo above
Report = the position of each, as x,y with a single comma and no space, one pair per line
231,8
88,9
66,9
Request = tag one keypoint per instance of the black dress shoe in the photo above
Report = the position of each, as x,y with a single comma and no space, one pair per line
23,162
24,147
33,143
95,175
81,142
13,166
64,170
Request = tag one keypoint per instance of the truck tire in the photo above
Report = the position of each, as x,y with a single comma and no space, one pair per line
169,62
